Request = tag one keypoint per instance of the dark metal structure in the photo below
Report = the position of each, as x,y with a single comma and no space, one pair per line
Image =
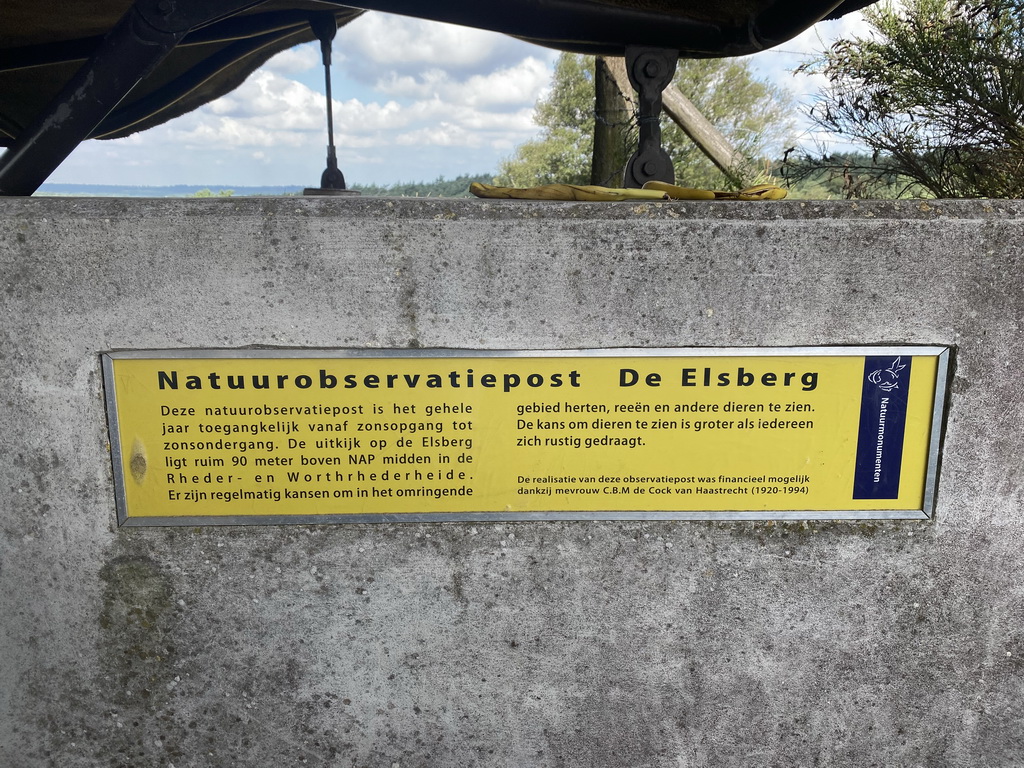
650,71
332,180
77,69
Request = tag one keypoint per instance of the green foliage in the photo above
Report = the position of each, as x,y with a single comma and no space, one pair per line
566,115
845,176
440,187
208,193
936,94
752,114
755,116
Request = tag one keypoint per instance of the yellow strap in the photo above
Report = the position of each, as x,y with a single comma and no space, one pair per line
565,192
652,190
680,193
759,192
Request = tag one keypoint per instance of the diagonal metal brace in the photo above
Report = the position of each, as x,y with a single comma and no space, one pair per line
143,37
650,72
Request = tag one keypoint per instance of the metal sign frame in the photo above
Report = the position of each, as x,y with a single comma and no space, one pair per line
942,354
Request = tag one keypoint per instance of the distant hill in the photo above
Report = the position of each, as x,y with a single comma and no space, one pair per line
177,190
440,187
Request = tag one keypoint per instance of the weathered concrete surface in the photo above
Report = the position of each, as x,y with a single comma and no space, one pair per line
536,644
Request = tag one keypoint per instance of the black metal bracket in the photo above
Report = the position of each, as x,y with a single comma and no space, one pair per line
650,72
143,37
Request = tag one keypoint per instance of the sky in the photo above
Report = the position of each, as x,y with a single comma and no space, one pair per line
413,101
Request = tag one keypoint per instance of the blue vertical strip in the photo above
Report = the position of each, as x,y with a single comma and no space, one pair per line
883,421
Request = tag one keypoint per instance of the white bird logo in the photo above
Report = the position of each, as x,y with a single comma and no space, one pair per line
888,379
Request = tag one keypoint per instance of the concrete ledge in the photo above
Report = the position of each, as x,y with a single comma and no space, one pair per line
533,644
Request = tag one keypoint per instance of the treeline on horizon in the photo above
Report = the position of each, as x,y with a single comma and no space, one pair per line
836,179
440,187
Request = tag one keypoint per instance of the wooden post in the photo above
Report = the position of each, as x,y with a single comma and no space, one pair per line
611,122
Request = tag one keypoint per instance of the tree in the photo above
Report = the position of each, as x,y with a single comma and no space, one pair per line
849,175
753,114
936,94
566,115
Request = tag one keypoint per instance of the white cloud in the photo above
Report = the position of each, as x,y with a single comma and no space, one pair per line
229,133
518,122
354,117
377,41
284,102
824,33
301,58
515,85
447,100
270,111
442,135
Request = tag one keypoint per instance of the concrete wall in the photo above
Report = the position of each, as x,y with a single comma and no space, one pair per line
528,644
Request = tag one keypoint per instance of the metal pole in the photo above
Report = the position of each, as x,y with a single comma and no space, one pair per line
325,27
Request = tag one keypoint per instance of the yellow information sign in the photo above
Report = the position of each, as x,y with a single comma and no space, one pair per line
277,436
